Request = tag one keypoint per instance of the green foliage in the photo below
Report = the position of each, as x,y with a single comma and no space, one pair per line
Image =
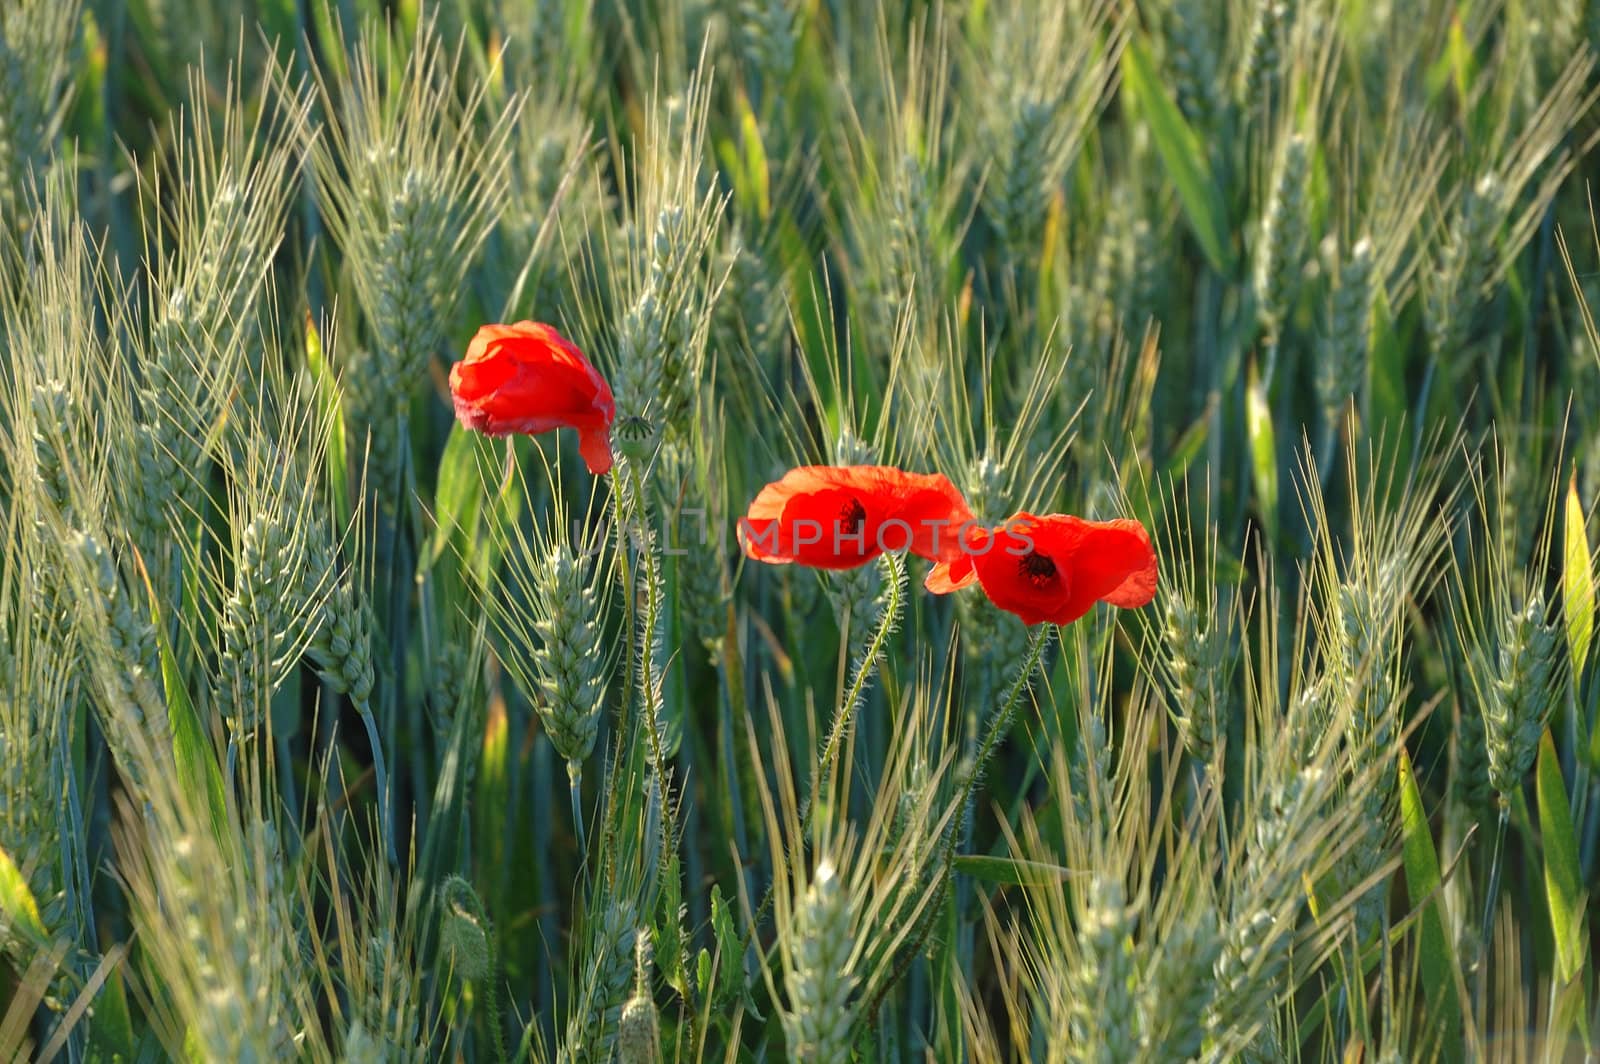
330,729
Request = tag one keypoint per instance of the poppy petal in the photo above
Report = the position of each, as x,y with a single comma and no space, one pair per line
946,577
1125,551
595,447
758,539
528,378
1055,568
839,517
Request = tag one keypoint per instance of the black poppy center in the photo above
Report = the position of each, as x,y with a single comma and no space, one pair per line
1038,570
853,517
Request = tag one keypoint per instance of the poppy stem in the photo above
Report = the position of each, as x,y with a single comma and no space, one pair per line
830,748
999,724
647,573
851,703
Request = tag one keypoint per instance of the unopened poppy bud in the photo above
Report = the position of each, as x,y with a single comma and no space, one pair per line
638,1032
464,930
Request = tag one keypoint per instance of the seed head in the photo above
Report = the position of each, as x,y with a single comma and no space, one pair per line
1521,694
464,931
820,1020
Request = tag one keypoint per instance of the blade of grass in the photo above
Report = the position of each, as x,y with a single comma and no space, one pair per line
1009,871
1439,968
1577,580
17,901
331,403
1181,152
1263,453
1562,882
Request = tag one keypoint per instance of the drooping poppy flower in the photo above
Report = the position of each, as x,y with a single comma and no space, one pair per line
529,378
1054,568
839,517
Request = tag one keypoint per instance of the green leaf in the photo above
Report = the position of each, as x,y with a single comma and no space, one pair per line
198,770
408,12
1181,152
504,511
976,19
755,160
194,1051
1387,397
280,21
1563,884
671,946
16,900
734,987
1594,747
1577,581
1439,970
1263,452
87,120
459,500
330,408
1456,67
492,805
1009,871
330,18
702,971
733,167
1187,447
111,1032
722,923
1047,289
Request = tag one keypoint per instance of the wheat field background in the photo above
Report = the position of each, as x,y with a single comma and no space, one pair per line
330,730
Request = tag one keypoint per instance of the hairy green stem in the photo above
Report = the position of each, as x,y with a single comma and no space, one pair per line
648,570
999,725
854,694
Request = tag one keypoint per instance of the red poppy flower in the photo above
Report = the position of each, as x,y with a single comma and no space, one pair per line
1054,568
529,378
839,517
